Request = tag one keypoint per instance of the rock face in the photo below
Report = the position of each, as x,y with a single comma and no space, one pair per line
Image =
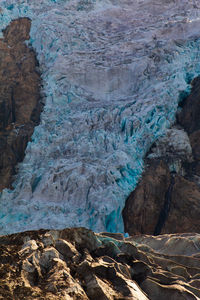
19,97
167,197
79,264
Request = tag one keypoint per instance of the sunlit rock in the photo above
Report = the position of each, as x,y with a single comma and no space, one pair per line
145,267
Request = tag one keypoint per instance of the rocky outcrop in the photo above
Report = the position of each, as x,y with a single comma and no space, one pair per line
166,199
79,264
20,105
188,118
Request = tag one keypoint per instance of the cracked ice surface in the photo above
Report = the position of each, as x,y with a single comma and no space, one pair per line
113,72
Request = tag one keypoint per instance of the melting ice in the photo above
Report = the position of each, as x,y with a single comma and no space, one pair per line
113,73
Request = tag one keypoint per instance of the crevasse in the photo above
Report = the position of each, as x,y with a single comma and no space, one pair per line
113,73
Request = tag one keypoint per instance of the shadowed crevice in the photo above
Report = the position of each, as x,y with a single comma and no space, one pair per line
166,207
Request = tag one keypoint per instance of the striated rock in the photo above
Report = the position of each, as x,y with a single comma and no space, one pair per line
20,105
166,199
140,267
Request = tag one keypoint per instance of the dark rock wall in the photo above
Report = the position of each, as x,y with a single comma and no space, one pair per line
147,199
20,105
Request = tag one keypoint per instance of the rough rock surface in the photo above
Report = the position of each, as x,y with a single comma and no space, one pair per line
167,197
19,97
79,264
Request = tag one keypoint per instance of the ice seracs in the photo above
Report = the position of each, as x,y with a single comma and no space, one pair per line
113,73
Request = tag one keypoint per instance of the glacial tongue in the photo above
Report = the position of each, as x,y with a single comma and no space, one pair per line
77,264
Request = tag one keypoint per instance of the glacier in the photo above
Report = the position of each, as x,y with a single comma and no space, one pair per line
113,73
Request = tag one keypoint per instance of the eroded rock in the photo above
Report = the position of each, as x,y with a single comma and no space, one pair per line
20,104
146,267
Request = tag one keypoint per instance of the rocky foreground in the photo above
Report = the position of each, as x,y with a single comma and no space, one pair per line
77,263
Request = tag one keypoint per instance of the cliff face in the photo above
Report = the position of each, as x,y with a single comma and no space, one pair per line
79,264
167,197
19,97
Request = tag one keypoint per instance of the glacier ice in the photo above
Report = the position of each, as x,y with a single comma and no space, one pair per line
113,73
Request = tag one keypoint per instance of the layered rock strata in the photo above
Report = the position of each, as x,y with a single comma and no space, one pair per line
167,197
20,105
79,264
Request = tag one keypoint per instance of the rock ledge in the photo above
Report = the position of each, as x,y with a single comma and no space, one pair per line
76,263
